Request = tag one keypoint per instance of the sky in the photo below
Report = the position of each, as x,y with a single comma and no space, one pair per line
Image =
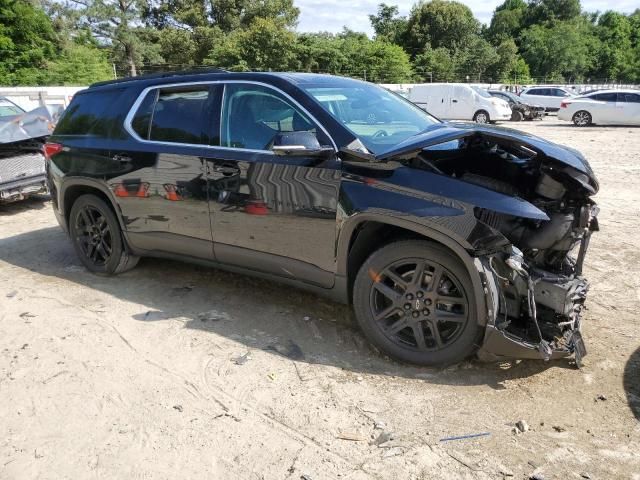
332,15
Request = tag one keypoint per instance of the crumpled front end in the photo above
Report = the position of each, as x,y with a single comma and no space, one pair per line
534,287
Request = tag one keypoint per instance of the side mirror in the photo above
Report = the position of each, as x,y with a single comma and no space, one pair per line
299,144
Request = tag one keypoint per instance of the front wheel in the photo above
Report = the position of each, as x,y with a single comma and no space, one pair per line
414,300
97,238
517,116
481,117
582,119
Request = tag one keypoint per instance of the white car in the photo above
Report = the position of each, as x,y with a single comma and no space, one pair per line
459,101
605,107
549,97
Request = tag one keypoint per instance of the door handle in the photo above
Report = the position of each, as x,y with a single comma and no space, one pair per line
225,170
454,100
118,157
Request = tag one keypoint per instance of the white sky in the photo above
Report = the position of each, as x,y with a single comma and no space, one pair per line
332,15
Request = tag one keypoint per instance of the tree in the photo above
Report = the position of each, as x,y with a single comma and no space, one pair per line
541,11
115,23
264,45
557,52
435,64
27,43
387,24
615,55
80,65
507,21
440,23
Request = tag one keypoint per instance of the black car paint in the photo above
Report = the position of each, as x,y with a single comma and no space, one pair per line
292,219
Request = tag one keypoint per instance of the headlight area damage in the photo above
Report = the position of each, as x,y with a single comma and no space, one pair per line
532,262
22,162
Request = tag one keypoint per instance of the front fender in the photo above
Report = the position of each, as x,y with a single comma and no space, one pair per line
452,225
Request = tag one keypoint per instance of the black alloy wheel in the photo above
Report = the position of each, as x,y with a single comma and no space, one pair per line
94,236
97,237
419,303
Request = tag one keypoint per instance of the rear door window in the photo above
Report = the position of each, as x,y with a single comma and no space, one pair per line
179,115
605,97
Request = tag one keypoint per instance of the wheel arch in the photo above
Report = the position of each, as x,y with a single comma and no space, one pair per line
75,188
368,233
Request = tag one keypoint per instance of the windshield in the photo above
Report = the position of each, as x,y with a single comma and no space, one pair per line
8,109
481,91
379,118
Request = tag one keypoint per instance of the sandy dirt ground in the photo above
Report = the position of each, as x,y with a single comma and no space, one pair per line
175,371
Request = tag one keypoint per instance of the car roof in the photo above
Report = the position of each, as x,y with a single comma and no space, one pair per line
302,79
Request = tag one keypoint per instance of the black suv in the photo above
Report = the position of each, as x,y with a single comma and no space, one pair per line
447,239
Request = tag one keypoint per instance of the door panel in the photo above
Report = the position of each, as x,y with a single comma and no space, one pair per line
272,213
164,196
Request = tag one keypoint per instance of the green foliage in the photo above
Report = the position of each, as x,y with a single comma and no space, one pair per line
264,45
79,41
27,43
387,24
440,23
80,65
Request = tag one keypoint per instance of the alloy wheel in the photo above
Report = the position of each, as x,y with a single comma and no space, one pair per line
582,119
419,304
94,235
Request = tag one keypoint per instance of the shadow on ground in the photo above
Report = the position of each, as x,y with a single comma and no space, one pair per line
631,382
36,202
257,313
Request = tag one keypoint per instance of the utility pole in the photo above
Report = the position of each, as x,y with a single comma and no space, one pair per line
115,73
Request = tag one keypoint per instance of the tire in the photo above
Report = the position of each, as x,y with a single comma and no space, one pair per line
97,238
582,118
481,116
517,116
400,320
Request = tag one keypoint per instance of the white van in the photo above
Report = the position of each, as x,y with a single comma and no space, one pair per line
459,101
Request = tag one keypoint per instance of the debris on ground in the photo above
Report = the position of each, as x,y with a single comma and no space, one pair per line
464,437
212,316
178,408
242,359
522,426
536,476
272,376
585,475
177,291
384,437
393,452
558,428
27,315
12,294
601,397
351,436
291,350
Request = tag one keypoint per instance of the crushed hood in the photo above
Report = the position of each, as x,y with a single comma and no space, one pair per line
446,132
34,124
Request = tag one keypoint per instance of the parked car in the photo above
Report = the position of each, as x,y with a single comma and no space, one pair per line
22,138
459,101
8,109
605,107
520,110
446,239
549,97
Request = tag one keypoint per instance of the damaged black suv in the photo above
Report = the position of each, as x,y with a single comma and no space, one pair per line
447,239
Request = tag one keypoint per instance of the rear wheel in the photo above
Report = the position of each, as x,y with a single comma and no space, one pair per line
481,116
582,118
517,116
97,237
414,300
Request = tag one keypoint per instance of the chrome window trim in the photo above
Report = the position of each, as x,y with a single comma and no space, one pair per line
136,105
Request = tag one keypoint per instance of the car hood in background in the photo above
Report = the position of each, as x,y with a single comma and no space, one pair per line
446,132
34,124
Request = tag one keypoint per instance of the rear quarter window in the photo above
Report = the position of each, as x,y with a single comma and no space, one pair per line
90,113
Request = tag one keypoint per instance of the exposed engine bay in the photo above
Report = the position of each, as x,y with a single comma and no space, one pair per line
538,277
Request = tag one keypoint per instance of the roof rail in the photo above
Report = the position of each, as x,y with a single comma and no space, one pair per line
151,76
